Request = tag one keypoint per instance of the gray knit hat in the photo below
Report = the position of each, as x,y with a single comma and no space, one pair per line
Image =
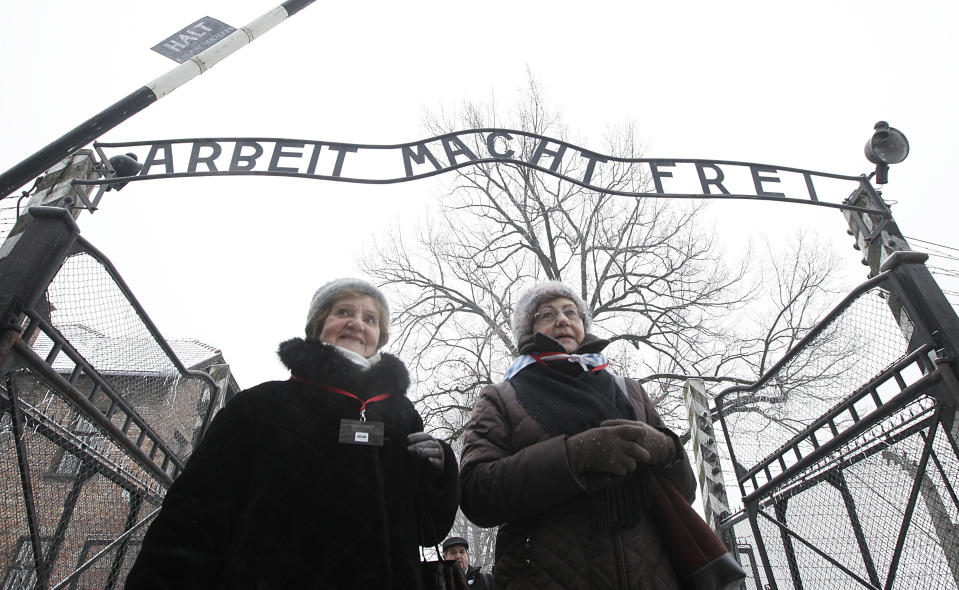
536,295
328,293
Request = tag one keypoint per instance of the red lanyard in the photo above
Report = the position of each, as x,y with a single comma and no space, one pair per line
337,390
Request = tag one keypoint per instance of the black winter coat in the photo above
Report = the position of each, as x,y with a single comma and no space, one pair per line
271,500
477,579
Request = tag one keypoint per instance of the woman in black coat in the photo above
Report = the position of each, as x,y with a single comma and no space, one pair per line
322,481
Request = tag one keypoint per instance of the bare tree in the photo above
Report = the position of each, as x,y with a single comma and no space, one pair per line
798,283
653,279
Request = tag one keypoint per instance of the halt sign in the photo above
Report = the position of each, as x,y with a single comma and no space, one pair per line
193,39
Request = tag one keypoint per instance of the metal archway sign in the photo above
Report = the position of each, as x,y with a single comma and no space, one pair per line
675,178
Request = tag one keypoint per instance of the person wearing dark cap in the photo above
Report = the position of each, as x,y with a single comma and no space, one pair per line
560,454
325,480
457,549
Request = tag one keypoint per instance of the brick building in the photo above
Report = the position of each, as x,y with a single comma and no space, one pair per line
84,488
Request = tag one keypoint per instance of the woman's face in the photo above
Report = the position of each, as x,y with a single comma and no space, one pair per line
559,318
354,324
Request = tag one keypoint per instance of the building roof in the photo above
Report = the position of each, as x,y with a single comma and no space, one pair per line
133,355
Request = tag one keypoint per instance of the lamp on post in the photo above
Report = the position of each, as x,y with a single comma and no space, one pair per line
877,236
887,146
124,165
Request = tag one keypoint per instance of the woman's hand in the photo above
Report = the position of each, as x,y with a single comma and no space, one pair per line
618,447
658,447
426,447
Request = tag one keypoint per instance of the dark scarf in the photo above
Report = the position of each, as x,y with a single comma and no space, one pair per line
566,400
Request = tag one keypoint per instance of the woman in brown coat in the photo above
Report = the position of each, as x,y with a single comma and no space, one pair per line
559,456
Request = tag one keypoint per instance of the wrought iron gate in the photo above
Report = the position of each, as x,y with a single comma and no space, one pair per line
97,415
845,452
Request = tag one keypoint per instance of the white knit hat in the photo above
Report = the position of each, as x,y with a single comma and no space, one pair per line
328,293
533,297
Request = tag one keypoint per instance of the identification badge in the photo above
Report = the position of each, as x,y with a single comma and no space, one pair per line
356,432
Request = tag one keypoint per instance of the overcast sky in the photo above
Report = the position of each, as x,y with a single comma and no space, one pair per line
233,262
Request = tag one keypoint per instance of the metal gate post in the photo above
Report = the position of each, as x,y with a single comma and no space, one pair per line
28,263
56,189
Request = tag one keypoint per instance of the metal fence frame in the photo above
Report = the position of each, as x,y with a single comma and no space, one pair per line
820,453
29,266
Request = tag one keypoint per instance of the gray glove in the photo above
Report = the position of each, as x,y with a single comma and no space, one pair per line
618,447
426,447
659,447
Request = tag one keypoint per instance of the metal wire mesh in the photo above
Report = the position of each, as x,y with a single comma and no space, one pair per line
82,485
86,489
90,310
931,547
830,452
853,505
14,520
112,566
855,346
8,217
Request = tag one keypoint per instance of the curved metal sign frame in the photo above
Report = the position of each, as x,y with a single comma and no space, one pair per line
678,178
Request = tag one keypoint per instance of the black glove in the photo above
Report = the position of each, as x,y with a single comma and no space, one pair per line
618,447
426,447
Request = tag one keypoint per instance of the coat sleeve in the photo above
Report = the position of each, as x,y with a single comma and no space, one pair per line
437,496
186,545
440,498
500,484
678,471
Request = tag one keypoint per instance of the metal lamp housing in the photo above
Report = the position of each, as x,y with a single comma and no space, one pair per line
124,165
888,145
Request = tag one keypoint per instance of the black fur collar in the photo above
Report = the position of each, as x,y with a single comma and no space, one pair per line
321,363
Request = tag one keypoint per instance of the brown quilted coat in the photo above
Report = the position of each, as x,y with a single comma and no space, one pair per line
515,476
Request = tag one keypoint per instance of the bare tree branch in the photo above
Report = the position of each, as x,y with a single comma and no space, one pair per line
657,285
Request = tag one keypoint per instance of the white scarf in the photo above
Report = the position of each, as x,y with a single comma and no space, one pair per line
363,362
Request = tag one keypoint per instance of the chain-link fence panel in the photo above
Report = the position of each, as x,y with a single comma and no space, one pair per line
880,509
8,216
94,314
846,455
15,548
81,485
99,414
930,549
749,554
857,345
